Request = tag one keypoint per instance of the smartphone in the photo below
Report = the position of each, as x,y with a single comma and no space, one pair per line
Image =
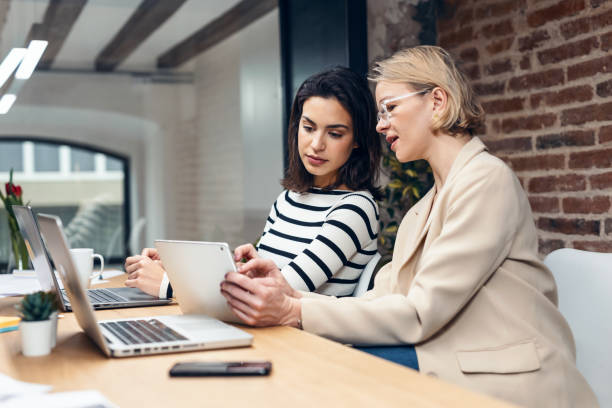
220,368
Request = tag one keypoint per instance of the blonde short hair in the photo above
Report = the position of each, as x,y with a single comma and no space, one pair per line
425,67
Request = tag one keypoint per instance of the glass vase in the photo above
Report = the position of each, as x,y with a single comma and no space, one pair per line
19,251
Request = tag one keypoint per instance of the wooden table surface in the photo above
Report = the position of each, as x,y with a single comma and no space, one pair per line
307,370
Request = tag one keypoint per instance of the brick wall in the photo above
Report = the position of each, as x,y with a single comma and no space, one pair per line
543,70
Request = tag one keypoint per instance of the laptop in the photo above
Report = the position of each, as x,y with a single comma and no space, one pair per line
195,270
141,335
110,298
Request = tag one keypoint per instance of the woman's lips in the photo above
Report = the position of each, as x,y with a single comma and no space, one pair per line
314,160
392,141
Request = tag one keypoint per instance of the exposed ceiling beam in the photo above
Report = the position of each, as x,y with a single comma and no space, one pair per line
59,18
216,31
149,15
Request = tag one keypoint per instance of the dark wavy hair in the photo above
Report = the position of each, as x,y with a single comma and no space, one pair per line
361,170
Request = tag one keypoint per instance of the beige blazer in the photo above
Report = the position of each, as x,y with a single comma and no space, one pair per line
466,286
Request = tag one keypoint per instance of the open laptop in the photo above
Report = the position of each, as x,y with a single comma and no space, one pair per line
110,298
135,336
195,270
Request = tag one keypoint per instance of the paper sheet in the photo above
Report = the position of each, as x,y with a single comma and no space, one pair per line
11,285
73,399
10,388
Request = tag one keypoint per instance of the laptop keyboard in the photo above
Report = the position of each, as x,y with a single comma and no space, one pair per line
142,331
97,296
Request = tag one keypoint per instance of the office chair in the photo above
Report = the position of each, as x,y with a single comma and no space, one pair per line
584,281
366,276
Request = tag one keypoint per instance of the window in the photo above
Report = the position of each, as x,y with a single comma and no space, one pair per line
84,187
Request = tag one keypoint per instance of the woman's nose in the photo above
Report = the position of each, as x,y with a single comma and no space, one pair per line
382,125
318,142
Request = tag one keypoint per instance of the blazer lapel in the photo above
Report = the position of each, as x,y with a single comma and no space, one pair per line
416,223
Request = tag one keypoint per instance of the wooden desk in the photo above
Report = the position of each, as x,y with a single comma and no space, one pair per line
307,371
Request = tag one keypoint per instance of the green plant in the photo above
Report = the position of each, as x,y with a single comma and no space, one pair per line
37,306
408,182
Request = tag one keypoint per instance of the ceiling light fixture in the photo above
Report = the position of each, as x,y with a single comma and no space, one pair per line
33,54
6,102
10,63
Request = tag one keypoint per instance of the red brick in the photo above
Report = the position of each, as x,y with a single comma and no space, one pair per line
589,68
499,9
456,38
569,50
533,122
573,28
602,20
469,55
569,138
547,184
491,88
608,225
569,226
537,80
593,246
559,10
581,93
533,40
606,41
498,29
546,246
525,62
503,105
541,162
588,205
601,181
544,204
473,72
604,89
495,47
465,17
589,113
600,159
499,66
510,145
605,134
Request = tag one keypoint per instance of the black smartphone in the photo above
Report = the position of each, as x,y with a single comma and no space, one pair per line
220,368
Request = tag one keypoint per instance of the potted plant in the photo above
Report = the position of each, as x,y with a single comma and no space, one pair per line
38,312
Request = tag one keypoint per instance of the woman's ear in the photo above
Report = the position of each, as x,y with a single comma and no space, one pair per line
439,100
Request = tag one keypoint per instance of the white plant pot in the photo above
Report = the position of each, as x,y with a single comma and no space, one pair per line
36,337
53,333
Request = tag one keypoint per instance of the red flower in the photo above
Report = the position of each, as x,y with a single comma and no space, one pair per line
9,188
17,191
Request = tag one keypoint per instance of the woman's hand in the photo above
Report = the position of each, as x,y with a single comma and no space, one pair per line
244,253
145,273
260,296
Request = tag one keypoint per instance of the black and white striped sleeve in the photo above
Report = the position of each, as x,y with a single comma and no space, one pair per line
348,234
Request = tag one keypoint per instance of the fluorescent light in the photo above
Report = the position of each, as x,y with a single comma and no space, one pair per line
9,64
6,102
28,65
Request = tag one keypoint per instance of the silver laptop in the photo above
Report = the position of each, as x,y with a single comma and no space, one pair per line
110,298
141,335
195,270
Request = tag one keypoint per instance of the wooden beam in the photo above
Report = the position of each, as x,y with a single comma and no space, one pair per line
235,19
149,15
59,18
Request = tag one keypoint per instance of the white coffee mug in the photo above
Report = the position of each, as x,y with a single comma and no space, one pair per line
83,261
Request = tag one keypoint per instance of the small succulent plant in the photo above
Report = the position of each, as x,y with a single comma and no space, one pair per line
37,306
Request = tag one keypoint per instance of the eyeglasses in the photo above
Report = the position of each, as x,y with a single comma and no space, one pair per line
384,115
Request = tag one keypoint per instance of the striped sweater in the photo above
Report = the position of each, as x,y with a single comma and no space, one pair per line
321,240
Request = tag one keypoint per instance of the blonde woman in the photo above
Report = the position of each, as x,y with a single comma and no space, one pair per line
465,285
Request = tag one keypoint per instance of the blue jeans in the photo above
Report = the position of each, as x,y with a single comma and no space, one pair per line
404,355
